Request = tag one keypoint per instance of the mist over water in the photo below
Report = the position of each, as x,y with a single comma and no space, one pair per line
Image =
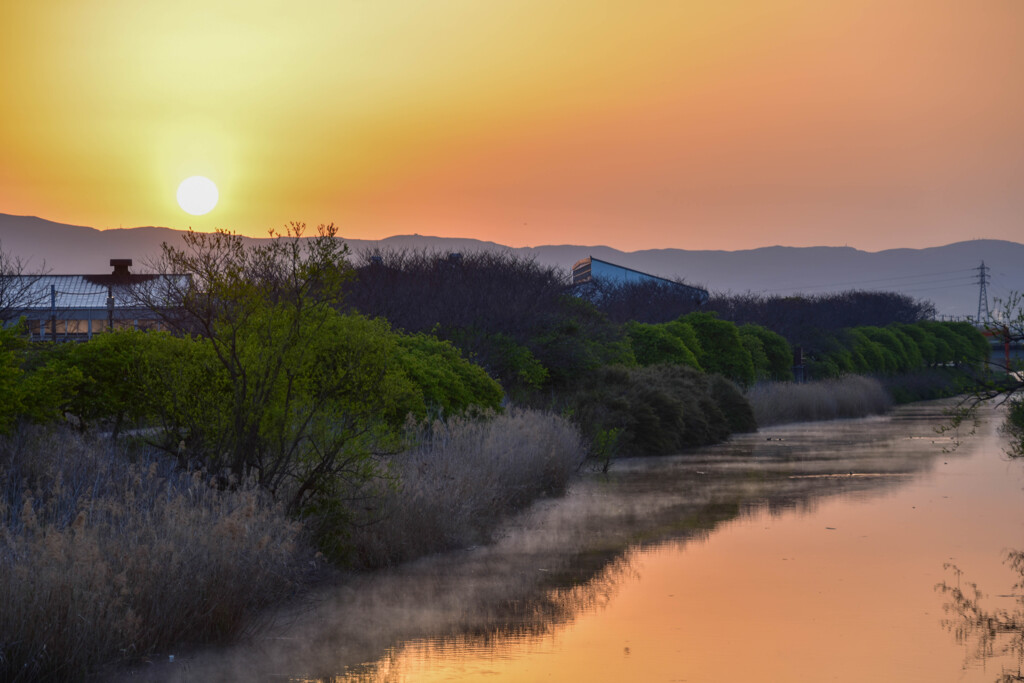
803,552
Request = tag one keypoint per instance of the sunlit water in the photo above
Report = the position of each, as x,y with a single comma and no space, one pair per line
801,553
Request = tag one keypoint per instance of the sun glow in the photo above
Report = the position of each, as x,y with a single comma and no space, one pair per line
197,195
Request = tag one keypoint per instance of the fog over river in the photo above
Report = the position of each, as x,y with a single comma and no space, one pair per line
800,553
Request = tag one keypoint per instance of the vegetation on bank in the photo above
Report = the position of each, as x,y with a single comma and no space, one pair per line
108,553
300,404
459,480
845,397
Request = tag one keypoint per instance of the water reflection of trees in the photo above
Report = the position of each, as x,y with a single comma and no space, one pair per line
986,632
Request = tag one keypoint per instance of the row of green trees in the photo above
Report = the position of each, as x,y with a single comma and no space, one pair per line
898,348
743,353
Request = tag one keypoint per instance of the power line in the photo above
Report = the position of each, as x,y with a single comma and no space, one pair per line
883,279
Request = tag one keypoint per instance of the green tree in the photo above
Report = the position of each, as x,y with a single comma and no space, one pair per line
778,363
30,388
449,384
723,350
657,344
288,390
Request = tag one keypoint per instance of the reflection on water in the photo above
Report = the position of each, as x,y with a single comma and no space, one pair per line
989,631
802,552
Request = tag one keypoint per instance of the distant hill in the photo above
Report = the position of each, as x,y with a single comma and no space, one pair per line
942,275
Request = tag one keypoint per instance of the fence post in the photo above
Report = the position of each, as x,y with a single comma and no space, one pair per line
53,313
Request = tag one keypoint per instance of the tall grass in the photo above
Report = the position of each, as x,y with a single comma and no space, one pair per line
104,559
460,479
848,396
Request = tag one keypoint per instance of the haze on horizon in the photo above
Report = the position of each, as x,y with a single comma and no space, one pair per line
696,125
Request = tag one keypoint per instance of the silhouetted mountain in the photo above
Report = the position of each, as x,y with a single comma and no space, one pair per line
946,275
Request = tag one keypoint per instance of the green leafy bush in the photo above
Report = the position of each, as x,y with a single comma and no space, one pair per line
658,344
722,349
777,361
659,409
449,384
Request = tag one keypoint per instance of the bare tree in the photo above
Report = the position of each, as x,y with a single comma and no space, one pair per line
20,287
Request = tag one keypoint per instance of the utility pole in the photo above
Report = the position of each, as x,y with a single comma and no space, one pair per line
983,293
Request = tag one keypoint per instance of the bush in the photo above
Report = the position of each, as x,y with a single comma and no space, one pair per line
723,350
658,344
657,410
778,355
102,559
449,384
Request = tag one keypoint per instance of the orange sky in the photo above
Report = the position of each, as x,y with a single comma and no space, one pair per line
659,123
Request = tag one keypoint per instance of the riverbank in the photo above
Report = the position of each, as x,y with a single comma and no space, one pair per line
111,554
568,560
178,557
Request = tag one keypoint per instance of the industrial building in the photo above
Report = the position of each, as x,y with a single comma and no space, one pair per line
592,269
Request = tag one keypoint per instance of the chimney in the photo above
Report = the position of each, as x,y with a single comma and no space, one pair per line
121,266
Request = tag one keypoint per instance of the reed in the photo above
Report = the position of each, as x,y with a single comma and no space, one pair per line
848,396
106,558
461,478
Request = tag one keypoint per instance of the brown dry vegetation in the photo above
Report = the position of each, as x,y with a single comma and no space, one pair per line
848,396
102,559
461,479
108,555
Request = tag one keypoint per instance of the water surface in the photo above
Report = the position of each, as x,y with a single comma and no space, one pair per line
804,552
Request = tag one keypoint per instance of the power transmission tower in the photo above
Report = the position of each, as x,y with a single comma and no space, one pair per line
983,293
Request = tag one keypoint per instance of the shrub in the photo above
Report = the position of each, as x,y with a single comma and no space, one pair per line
723,350
778,361
658,410
449,383
657,344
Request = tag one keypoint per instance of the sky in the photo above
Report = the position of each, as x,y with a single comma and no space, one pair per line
714,124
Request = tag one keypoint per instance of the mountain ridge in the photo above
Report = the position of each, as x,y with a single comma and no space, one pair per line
946,275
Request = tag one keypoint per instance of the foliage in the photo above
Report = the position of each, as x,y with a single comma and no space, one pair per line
282,387
899,349
578,341
778,355
449,384
115,372
1014,426
801,319
515,318
659,344
1003,383
28,392
659,409
722,349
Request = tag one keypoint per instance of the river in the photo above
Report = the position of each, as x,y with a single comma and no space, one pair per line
806,552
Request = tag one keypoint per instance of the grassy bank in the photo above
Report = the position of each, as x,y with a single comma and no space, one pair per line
460,480
848,396
104,558
107,554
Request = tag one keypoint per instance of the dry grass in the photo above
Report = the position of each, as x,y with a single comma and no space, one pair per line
849,396
102,559
462,478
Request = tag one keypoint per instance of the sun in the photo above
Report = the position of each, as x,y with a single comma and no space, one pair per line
197,195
